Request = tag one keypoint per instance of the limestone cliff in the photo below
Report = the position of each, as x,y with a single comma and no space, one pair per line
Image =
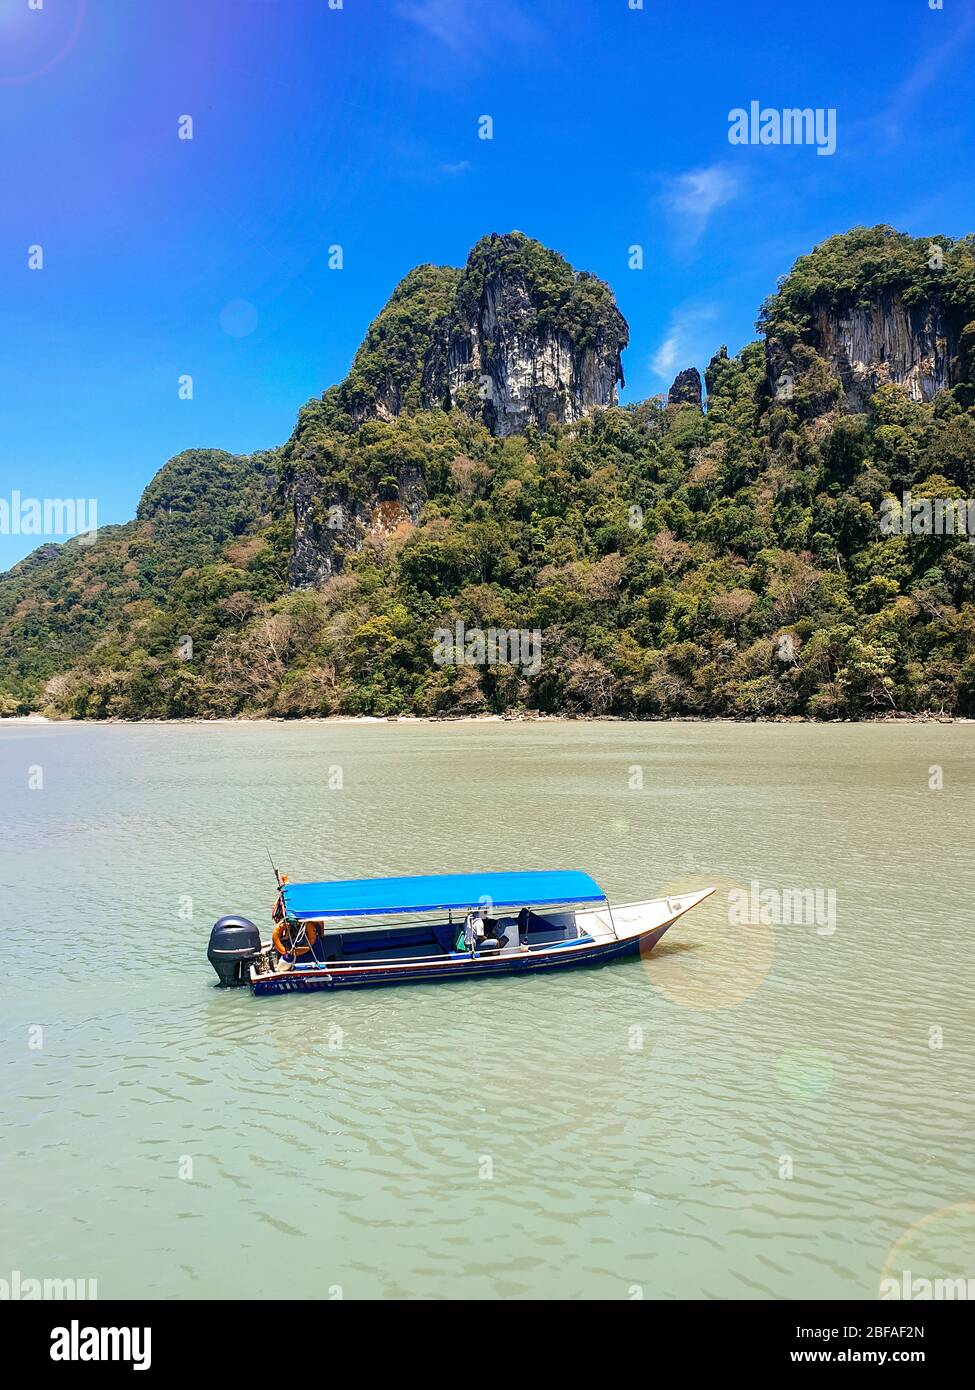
869,308
850,352
885,341
529,341
516,338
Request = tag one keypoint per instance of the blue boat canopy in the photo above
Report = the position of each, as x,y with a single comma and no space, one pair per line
363,897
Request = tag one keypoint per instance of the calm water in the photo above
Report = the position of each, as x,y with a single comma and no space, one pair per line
754,1111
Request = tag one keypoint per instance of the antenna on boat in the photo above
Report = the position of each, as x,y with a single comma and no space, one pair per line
274,870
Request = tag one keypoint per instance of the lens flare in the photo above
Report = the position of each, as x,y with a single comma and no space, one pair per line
37,40
934,1259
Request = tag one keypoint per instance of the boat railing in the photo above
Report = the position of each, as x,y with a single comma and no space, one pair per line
357,963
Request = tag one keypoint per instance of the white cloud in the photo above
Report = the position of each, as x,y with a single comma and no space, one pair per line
930,69
662,361
933,69
469,27
694,196
450,23
687,340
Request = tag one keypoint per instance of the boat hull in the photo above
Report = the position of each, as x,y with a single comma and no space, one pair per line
457,966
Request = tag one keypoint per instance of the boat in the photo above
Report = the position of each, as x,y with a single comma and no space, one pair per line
382,931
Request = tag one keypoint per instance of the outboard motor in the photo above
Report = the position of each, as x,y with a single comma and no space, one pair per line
234,943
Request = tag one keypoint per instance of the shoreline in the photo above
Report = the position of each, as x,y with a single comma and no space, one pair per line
521,718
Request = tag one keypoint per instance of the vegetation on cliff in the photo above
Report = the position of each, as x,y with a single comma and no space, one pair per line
675,562
868,263
389,364
573,303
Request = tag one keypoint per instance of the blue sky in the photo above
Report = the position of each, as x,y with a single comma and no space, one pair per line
359,127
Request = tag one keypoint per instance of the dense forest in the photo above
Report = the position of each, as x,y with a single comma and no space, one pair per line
726,561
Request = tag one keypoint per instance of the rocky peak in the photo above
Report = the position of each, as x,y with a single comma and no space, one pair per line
516,338
686,389
528,341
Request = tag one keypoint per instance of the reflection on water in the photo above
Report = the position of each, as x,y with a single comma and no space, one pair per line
636,1120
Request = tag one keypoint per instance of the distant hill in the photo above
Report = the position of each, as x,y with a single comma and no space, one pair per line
474,468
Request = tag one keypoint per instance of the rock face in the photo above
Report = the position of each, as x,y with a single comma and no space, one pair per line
328,526
686,389
851,353
887,342
868,309
518,349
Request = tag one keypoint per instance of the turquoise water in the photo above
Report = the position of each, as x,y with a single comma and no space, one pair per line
754,1111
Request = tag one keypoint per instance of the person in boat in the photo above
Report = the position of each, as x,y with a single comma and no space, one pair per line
473,929
492,929
479,927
